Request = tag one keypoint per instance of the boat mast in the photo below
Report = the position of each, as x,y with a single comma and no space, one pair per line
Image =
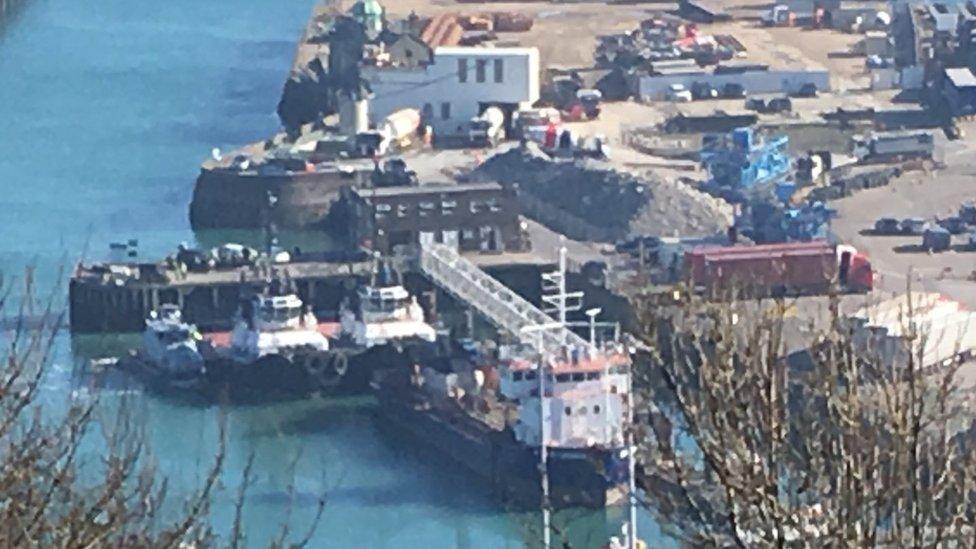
543,448
631,465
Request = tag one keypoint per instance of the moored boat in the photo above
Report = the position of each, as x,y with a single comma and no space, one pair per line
481,410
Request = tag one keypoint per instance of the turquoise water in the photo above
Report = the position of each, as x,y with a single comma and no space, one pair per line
107,109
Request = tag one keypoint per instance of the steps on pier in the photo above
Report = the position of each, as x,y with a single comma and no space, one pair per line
502,306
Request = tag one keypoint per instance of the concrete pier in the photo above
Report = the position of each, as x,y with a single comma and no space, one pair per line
119,297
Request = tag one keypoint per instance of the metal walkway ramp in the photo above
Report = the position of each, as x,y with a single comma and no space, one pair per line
491,298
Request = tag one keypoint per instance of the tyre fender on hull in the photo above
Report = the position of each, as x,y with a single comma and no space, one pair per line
327,368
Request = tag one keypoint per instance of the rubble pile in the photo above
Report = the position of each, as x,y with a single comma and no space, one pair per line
616,204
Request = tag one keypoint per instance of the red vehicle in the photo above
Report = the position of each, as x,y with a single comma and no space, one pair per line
778,269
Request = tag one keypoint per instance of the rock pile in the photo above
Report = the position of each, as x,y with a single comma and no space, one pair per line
598,202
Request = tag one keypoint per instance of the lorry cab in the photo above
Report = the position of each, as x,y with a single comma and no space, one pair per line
854,271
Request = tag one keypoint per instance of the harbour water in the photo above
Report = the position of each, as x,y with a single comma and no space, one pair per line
107,110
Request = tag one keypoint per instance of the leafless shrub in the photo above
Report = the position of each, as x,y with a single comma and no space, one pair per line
51,496
750,445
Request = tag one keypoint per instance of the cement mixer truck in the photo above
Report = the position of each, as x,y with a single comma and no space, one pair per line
399,128
487,129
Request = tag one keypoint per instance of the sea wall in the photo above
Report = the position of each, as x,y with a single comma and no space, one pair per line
230,199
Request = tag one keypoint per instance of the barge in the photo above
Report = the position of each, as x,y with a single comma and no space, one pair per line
481,411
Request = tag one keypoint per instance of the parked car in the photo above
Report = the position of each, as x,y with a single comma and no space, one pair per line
913,225
770,105
779,104
936,239
703,90
807,90
234,255
677,93
733,91
954,224
968,213
875,62
632,246
195,260
887,225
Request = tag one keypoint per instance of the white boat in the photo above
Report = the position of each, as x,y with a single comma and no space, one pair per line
172,345
384,314
275,326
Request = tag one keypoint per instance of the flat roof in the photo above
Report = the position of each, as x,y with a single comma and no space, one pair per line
482,50
961,77
436,188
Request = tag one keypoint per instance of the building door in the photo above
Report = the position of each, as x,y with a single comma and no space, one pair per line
451,239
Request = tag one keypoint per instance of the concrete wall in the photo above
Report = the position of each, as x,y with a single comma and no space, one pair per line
655,87
440,84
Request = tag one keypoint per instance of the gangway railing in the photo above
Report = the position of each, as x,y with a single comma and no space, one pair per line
498,303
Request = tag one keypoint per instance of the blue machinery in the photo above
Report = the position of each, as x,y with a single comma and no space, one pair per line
756,176
737,163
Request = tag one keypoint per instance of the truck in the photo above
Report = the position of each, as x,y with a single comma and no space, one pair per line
789,268
400,127
487,129
893,146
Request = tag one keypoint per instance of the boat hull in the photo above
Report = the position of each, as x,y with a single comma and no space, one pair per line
510,470
275,377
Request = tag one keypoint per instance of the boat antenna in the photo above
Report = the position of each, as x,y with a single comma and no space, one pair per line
270,238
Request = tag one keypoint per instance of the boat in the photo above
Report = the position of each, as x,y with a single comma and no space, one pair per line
277,349
480,410
172,353
383,313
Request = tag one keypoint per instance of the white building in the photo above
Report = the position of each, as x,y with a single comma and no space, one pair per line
655,87
457,86
949,330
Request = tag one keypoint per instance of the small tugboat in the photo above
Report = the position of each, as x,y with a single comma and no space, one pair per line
382,327
277,349
172,354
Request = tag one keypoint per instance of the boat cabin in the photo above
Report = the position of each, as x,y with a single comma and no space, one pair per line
586,397
384,303
385,314
573,369
272,313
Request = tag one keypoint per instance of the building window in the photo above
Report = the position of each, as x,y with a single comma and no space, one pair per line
568,411
499,71
596,409
445,111
517,376
480,68
462,70
474,206
563,378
